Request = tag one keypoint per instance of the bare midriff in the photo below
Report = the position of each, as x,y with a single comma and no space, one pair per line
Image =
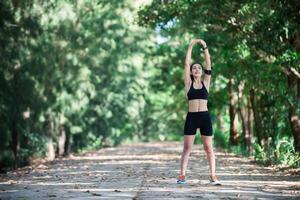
197,105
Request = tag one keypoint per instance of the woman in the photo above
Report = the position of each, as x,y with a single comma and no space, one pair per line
198,115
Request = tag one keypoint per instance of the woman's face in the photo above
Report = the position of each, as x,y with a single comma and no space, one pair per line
196,70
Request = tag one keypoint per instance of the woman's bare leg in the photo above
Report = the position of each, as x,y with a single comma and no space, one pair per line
187,148
208,147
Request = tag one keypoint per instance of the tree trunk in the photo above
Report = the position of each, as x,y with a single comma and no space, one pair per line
257,119
25,142
15,141
245,117
219,120
61,140
294,87
68,141
246,124
248,137
15,134
50,147
233,116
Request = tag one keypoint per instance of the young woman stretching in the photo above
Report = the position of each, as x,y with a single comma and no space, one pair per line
198,115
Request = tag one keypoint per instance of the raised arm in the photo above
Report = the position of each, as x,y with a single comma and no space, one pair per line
207,70
187,78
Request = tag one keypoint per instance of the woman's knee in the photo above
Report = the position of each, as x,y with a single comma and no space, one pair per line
187,149
208,149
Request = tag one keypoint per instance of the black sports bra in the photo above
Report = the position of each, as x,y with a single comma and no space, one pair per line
201,93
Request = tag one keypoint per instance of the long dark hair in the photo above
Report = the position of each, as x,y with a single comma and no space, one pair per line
191,67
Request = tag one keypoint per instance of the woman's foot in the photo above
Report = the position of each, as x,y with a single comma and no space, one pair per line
213,180
181,179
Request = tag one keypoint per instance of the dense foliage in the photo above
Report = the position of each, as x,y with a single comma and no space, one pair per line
74,75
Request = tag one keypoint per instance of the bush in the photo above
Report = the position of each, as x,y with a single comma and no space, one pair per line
7,160
221,139
283,153
259,153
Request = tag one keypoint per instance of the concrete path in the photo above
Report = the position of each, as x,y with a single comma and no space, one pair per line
146,171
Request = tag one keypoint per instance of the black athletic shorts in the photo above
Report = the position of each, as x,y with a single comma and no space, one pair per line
196,120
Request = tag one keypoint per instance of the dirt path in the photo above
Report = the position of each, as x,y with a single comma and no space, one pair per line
146,171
